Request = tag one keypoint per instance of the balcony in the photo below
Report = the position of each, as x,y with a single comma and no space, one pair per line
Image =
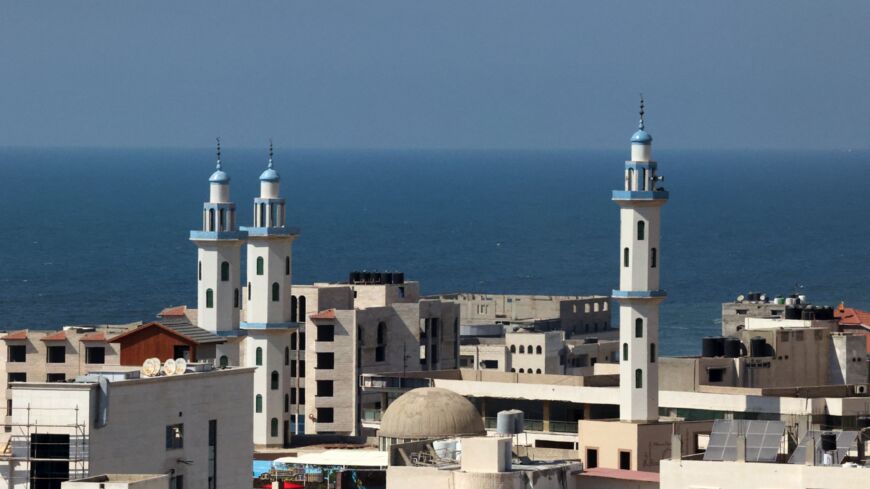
371,415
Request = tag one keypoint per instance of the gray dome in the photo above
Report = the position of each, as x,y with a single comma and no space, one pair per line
431,412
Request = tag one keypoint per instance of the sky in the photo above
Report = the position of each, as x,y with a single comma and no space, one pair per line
497,74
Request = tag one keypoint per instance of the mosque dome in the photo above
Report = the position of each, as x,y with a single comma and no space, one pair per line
219,176
270,175
641,137
430,412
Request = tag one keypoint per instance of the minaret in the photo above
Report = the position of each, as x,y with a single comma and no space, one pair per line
269,257
219,242
639,294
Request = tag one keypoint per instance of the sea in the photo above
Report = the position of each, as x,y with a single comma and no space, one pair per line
92,236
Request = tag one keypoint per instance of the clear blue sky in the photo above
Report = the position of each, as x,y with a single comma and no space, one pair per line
434,74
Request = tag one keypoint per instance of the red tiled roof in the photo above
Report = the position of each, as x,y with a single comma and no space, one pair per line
173,311
95,336
141,327
327,314
849,316
17,335
56,336
630,475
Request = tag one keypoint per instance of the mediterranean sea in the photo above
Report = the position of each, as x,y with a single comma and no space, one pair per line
101,236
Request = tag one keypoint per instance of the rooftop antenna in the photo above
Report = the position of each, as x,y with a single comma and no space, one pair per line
640,124
218,152
270,153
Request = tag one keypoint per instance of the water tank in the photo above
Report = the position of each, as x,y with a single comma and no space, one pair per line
399,278
732,347
808,314
385,278
509,422
779,300
802,298
863,422
708,346
829,441
758,347
366,277
792,313
790,301
355,277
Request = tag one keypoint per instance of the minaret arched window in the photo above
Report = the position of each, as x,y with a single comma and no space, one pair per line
638,379
225,271
286,355
638,328
652,258
259,356
652,353
301,308
625,253
222,222
625,352
262,215
293,308
274,382
199,271
273,430
259,265
236,298
258,403
209,299
249,290
276,292
211,220
641,228
287,266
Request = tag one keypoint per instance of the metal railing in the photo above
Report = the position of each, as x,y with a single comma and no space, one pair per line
371,414
537,425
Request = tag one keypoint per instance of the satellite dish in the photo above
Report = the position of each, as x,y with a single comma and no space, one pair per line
740,298
180,366
155,366
147,369
169,367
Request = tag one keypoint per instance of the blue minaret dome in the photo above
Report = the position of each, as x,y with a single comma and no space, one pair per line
219,176
270,175
641,136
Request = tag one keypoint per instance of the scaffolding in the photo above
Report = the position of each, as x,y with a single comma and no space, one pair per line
29,449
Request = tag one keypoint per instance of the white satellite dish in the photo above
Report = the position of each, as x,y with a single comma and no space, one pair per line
180,366
147,369
169,367
155,366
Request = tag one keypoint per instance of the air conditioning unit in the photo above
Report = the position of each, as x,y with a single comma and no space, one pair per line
860,389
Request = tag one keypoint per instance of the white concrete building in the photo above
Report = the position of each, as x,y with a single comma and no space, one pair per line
639,294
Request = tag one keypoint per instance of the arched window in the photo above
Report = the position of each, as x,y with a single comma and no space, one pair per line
638,328
293,309
224,361
259,265
286,403
222,221
199,273
211,219
522,371
273,429
625,352
225,271
513,348
276,292
258,403
249,290
262,215
652,258
538,371
522,349
641,228
236,299
209,298
652,353
287,266
513,370
638,378
301,308
286,355
274,384
625,257
538,349
530,350
259,356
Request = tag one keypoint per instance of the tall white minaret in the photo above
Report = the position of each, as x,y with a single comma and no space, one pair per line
218,275
639,294
269,259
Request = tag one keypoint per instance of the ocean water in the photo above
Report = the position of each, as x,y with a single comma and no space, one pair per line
96,236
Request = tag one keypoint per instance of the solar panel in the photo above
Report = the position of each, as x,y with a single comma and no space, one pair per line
846,441
763,439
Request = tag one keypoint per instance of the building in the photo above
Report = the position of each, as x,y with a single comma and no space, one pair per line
759,305
169,338
194,427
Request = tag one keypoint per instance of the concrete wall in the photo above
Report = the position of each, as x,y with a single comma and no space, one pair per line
693,474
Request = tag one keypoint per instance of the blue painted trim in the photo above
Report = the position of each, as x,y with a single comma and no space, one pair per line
216,235
235,333
634,195
644,165
266,232
258,200
637,294
219,205
288,325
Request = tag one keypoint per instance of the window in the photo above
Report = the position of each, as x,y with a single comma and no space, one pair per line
293,339
522,349
286,355
652,353
466,361
56,354
522,370
625,352
324,415
489,364
302,396
181,351
537,371
273,427
301,308
17,377
652,258
325,332
293,370
513,348
55,378
625,257
638,328
382,333
324,388
301,368
434,354
259,356
301,341
236,299
293,318
275,381
325,360
95,354
276,292
211,219
292,396
209,298
624,460
174,436
641,228
380,353
286,403
591,458
212,454
715,374
224,361
176,482
225,271
259,265
249,290
638,379
199,271
287,266
258,403
529,350
538,349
